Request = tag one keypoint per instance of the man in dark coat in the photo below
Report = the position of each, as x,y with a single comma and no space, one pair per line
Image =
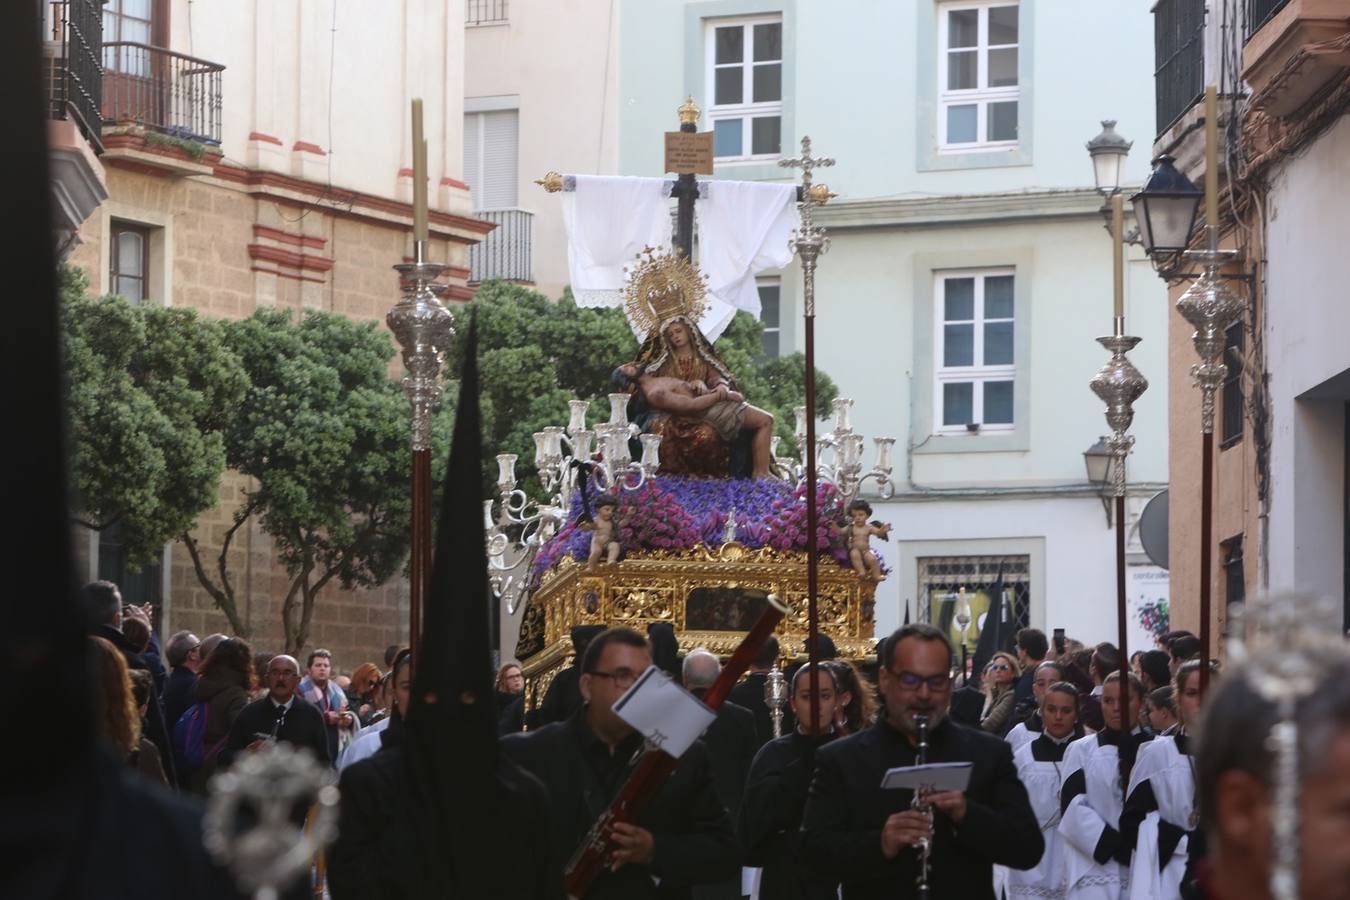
563,697
684,836
184,654
866,838
731,744
280,716
769,827
749,693
102,602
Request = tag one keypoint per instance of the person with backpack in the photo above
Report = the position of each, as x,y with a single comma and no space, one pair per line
223,686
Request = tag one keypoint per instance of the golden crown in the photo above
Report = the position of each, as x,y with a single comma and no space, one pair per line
661,287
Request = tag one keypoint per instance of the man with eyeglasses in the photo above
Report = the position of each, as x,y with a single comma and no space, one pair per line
867,838
683,838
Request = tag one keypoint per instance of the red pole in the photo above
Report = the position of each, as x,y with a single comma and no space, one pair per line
812,563
419,564
1206,551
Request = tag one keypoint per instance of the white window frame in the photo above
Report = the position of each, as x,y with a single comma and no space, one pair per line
775,282
978,373
476,179
981,95
745,111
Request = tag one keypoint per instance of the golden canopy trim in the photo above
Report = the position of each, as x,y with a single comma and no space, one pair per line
662,287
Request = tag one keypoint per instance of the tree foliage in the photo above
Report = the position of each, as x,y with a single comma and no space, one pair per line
536,354
323,434
150,390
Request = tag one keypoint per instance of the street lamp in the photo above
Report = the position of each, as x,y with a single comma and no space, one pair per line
1108,151
1166,208
1099,459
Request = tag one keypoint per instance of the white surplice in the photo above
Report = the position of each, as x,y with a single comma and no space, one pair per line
1170,776
1087,816
1043,779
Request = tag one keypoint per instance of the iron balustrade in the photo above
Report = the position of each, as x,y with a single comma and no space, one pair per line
1259,12
74,74
504,252
485,12
158,89
1179,55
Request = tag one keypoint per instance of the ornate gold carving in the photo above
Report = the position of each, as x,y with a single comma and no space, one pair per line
820,193
661,287
689,111
551,182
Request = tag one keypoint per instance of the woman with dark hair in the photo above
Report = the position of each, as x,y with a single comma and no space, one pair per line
223,684
1160,711
859,709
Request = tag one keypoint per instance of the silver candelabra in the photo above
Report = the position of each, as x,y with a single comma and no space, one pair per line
517,527
844,466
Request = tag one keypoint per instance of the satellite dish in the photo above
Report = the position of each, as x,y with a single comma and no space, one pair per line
1153,529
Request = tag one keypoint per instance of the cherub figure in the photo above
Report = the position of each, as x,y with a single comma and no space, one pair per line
605,532
858,534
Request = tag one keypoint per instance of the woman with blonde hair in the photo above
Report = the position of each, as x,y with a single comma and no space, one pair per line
997,686
119,719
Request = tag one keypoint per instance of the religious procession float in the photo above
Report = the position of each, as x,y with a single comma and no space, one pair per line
679,509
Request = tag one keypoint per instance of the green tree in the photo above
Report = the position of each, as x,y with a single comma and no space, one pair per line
150,390
323,434
536,354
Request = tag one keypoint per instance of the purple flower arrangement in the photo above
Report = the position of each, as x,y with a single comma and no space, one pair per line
677,513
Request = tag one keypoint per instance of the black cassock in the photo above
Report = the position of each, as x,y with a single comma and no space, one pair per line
771,819
375,854
846,810
692,834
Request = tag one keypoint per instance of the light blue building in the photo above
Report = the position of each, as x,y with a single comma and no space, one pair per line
968,272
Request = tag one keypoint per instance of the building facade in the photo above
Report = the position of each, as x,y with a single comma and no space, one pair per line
540,95
968,272
1282,71
258,155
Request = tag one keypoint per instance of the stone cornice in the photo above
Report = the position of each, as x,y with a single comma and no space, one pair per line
962,209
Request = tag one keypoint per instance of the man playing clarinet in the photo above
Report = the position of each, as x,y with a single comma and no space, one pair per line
868,839
683,838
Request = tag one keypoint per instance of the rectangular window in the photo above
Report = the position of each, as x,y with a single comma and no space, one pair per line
1234,341
130,21
978,87
1235,586
974,360
770,293
491,158
129,258
745,87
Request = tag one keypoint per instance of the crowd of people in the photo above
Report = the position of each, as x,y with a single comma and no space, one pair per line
1077,789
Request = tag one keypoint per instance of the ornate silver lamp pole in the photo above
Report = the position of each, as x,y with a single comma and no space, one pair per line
422,325
808,242
1118,383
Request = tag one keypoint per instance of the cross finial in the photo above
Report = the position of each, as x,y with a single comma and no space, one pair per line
806,162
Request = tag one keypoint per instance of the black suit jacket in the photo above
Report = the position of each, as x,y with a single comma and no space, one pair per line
694,843
303,726
846,810
731,743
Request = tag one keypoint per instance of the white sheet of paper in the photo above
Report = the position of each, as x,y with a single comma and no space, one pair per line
664,712
949,776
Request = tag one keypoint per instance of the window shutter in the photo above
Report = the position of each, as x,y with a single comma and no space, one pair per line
499,163
472,159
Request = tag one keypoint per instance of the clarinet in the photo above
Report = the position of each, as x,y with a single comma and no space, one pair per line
925,847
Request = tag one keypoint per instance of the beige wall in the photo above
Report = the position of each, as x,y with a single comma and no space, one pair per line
559,61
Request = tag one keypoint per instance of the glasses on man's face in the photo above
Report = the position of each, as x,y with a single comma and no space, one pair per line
912,681
1000,667
623,678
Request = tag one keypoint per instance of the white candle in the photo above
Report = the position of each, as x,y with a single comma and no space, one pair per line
884,447
618,409
651,452
841,407
800,413
506,471
540,449
578,420
581,444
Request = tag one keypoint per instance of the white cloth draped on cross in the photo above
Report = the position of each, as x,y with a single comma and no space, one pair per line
744,229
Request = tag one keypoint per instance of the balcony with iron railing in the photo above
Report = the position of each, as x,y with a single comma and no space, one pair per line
485,12
162,91
1179,56
1259,12
506,251
73,40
